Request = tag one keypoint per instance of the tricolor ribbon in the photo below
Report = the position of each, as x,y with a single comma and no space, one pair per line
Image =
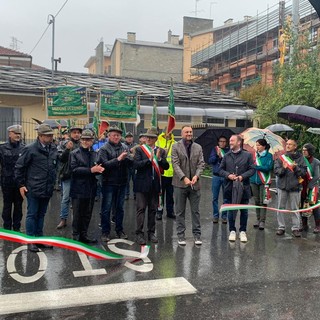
227,207
66,244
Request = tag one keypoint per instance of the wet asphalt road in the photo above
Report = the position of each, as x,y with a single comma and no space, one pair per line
270,277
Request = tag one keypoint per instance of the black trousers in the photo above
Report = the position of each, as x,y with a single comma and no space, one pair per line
82,212
12,219
144,200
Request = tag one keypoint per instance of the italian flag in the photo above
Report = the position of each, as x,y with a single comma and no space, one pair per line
171,112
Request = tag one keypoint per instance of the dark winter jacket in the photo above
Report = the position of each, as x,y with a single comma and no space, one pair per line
9,154
241,164
289,180
65,171
36,169
215,160
116,172
83,182
147,179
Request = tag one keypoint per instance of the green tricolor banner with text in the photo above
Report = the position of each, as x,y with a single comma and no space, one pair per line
66,102
118,105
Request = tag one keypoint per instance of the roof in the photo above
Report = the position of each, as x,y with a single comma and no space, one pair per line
9,52
21,81
150,44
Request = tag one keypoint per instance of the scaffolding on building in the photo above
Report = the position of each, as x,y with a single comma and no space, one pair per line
247,54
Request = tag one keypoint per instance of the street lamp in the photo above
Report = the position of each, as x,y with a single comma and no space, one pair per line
51,20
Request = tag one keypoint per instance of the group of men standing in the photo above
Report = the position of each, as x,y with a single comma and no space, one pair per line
166,173
239,175
30,172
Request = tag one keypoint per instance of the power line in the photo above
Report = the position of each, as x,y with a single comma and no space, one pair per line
47,28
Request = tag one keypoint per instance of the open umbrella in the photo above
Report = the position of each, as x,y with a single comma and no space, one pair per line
314,130
251,135
301,114
279,127
316,5
209,139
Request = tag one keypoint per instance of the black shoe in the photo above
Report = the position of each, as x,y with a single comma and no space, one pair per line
33,248
122,235
105,237
296,233
153,238
171,216
44,246
87,240
140,240
159,216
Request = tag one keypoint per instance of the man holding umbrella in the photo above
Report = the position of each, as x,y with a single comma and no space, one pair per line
237,167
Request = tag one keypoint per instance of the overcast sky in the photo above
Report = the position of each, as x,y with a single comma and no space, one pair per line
81,23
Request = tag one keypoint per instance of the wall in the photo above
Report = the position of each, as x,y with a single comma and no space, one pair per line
151,63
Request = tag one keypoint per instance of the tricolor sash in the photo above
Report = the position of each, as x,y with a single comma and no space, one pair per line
287,160
265,177
309,173
221,151
147,151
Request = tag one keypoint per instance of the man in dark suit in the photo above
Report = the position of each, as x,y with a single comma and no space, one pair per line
188,163
150,161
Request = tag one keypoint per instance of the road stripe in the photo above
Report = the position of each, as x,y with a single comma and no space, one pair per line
94,295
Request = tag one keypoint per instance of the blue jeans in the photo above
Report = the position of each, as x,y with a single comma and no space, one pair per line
36,211
112,197
232,216
65,201
217,183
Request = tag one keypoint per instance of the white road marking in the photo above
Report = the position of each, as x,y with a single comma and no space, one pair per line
88,270
94,295
43,263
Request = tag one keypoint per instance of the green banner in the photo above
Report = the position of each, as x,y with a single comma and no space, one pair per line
118,105
66,102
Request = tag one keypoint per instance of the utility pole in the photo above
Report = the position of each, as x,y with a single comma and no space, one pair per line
211,5
51,20
295,24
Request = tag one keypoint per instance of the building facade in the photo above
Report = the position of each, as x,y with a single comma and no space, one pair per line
247,54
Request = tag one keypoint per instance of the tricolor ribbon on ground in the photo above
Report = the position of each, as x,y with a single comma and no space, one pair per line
233,207
66,244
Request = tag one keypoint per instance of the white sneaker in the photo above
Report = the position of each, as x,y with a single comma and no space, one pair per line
243,236
232,236
182,241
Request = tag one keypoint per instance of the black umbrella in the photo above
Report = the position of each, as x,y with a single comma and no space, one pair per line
209,139
301,114
279,127
316,5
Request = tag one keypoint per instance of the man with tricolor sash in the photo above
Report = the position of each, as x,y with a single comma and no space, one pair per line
290,168
149,161
216,155
310,188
